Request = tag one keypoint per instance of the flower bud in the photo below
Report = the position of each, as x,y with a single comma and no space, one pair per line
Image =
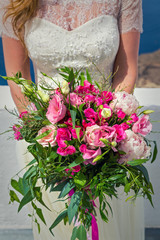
114,144
65,87
43,96
106,112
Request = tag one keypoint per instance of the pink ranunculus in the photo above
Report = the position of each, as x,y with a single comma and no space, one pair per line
142,126
17,134
134,146
134,117
125,102
91,115
23,114
50,138
107,96
121,114
74,134
94,133
87,88
85,124
70,150
56,109
120,133
98,101
75,100
89,98
90,155
83,148
125,126
63,134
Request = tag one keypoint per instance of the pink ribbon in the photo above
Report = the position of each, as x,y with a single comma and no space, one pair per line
94,225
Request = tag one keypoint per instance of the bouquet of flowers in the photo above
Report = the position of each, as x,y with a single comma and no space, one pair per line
85,142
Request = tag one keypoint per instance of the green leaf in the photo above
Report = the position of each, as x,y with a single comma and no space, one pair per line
80,179
13,196
32,162
154,152
66,189
144,171
60,217
136,162
39,213
73,116
115,177
26,199
30,171
43,134
89,79
76,162
127,187
74,204
78,133
59,187
74,233
81,233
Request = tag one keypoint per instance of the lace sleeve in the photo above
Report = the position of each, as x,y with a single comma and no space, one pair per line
130,16
5,28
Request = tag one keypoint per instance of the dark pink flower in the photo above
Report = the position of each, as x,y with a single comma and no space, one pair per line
89,98
66,151
17,134
22,114
142,126
74,134
107,96
90,114
98,101
121,114
134,118
83,148
125,126
63,134
120,133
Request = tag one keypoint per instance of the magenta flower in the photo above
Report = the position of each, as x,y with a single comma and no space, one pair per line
17,134
107,96
91,115
120,133
75,100
121,114
63,134
142,126
66,151
22,114
56,110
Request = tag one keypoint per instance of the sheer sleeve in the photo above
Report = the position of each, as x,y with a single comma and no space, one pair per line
130,16
5,28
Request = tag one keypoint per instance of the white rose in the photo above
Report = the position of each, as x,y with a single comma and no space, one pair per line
106,112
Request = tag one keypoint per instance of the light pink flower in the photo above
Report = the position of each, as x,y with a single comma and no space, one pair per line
125,102
66,151
142,126
75,100
94,133
120,133
134,146
56,110
50,138
63,134
89,154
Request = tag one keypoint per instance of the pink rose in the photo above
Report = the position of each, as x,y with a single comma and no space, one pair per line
90,155
75,100
134,146
66,151
56,110
95,133
63,134
91,115
50,138
120,133
142,126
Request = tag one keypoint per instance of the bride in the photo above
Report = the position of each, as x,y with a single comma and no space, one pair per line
76,33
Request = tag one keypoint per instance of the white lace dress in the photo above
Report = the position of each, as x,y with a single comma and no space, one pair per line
78,33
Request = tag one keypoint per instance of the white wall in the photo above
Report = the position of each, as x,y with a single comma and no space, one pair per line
8,163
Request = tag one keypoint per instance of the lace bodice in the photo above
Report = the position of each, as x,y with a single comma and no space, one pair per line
78,33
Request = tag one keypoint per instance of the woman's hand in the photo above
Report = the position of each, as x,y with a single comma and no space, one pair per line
126,63
16,60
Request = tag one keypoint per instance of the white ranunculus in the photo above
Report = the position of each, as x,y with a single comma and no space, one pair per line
106,112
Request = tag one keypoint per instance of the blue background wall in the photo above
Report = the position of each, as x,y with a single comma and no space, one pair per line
150,39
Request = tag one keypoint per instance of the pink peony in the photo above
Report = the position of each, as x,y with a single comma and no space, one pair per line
50,138
89,154
125,102
142,126
66,151
75,100
95,133
134,146
56,110
63,134
120,133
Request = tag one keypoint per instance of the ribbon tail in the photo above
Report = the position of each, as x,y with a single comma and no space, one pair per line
95,234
